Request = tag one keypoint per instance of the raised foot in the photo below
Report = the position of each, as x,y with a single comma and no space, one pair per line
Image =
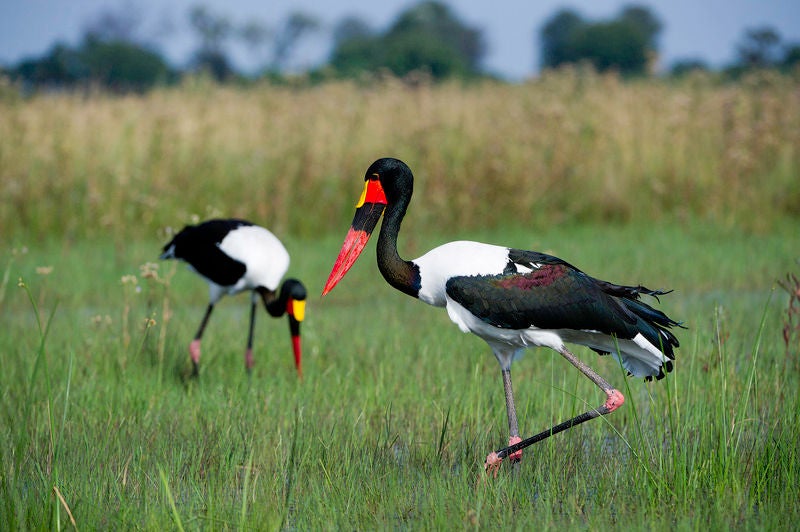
492,464
493,461
614,401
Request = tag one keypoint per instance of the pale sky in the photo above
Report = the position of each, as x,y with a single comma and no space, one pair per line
704,29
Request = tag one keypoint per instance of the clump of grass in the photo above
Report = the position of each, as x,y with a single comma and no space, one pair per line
41,376
146,295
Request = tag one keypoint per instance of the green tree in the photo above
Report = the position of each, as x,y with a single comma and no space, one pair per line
441,25
610,45
427,36
760,48
791,56
411,51
555,36
644,21
356,55
623,43
121,65
116,65
62,66
112,54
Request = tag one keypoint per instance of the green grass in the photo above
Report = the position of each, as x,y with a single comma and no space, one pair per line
398,409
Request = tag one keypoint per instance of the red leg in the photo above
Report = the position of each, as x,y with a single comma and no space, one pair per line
194,346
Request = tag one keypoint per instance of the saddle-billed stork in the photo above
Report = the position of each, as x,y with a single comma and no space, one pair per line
235,255
513,299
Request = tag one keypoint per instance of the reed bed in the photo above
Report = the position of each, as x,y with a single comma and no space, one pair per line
571,146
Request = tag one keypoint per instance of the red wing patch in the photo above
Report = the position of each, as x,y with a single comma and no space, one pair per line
545,275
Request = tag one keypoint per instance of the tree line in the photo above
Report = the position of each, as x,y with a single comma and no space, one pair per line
427,37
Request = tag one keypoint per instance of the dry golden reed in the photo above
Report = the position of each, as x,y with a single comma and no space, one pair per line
571,146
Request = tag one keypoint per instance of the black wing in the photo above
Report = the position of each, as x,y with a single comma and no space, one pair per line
556,295
199,246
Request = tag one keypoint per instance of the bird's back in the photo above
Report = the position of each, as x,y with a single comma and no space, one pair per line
264,256
231,253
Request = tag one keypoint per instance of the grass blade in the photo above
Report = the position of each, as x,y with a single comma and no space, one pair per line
176,518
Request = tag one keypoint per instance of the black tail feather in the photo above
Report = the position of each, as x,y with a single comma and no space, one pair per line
655,326
652,323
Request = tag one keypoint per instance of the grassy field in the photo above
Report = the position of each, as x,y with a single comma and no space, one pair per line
690,187
398,409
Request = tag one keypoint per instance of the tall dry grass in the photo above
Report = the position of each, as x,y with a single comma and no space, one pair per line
570,146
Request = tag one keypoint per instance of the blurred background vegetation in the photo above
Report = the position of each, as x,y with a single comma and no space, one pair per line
107,138
428,37
573,146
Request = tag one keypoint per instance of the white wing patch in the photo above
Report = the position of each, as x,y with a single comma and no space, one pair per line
456,259
525,269
261,252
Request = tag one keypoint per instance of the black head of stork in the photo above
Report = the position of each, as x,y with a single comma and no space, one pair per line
513,299
292,302
233,256
388,186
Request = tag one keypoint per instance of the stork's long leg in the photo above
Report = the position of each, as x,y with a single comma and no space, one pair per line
614,400
511,410
194,347
248,354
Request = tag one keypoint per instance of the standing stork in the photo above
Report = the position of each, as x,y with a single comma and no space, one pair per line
233,256
513,299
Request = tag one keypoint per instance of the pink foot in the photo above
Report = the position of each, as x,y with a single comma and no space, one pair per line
194,351
493,461
614,401
492,464
248,360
